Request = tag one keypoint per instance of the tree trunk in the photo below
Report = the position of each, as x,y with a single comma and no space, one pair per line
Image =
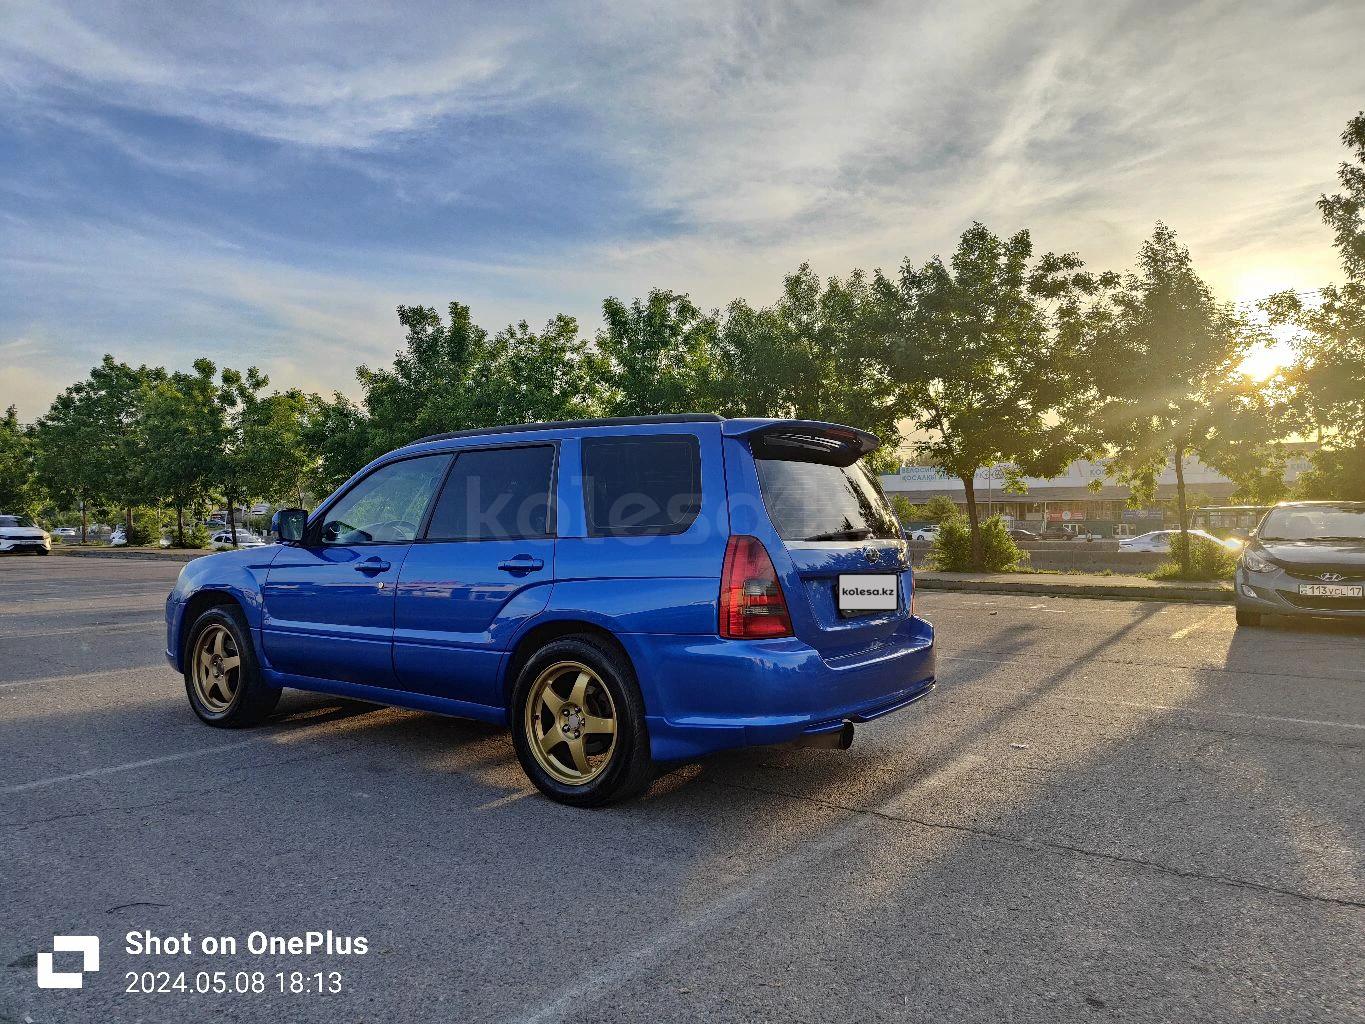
128,524
232,519
1182,510
85,520
973,520
180,525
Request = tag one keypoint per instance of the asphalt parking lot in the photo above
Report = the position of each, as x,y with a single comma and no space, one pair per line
1109,810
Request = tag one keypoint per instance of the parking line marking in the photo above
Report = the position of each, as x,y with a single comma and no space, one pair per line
83,677
503,801
94,773
104,627
1167,707
299,730
1180,634
570,1002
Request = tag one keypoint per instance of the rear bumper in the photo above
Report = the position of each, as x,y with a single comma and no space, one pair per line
1277,593
705,694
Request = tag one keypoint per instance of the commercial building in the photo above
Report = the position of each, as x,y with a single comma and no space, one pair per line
1082,498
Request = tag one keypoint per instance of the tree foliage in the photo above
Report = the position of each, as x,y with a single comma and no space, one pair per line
184,422
1326,384
809,356
452,375
1167,377
90,447
655,354
18,493
980,359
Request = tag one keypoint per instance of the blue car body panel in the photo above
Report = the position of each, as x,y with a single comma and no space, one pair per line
434,625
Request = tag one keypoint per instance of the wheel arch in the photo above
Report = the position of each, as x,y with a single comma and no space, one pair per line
198,603
543,633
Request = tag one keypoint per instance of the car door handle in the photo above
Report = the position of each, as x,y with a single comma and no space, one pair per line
373,565
521,565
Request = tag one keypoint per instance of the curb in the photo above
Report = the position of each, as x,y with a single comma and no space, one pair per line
1130,592
146,554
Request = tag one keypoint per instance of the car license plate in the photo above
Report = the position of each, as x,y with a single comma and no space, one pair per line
868,593
1330,590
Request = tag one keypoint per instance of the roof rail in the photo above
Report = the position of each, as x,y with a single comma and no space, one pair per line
613,421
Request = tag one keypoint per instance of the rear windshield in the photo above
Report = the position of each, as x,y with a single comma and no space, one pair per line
1314,522
810,501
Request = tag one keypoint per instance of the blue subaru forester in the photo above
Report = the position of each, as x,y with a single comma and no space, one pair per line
620,592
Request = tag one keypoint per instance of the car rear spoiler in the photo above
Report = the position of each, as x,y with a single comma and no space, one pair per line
830,444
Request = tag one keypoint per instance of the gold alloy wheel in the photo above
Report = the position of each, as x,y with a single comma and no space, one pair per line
570,723
216,668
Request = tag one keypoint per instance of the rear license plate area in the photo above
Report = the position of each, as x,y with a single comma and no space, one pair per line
868,593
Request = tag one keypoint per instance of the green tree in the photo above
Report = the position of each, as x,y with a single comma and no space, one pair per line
808,356
90,448
264,454
1167,375
1327,380
452,375
277,463
18,484
184,422
657,355
337,433
981,362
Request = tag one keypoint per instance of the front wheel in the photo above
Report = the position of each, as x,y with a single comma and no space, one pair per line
222,677
578,723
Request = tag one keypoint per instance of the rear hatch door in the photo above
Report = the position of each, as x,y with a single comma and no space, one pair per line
838,531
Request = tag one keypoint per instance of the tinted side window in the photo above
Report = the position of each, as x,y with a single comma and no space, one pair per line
388,505
641,486
497,494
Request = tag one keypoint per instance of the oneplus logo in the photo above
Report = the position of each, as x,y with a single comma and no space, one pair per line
89,948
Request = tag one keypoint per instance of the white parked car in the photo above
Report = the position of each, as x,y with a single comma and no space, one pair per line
222,541
118,538
1160,541
66,532
925,533
20,533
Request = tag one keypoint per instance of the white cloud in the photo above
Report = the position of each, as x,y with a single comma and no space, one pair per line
747,136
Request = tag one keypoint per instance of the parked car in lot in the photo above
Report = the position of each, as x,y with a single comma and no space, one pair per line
20,533
222,541
1016,534
1305,558
620,592
119,538
67,533
1160,541
925,533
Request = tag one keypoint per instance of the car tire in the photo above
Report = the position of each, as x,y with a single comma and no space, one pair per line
562,697
223,679
1248,618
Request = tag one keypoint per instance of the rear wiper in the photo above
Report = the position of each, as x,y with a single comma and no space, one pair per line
856,533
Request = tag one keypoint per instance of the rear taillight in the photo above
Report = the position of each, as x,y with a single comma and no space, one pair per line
752,606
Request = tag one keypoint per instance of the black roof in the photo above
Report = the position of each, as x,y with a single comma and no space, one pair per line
613,421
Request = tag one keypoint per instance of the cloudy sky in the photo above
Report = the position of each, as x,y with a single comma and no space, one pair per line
265,182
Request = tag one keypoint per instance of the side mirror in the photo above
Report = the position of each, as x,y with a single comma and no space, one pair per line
287,525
